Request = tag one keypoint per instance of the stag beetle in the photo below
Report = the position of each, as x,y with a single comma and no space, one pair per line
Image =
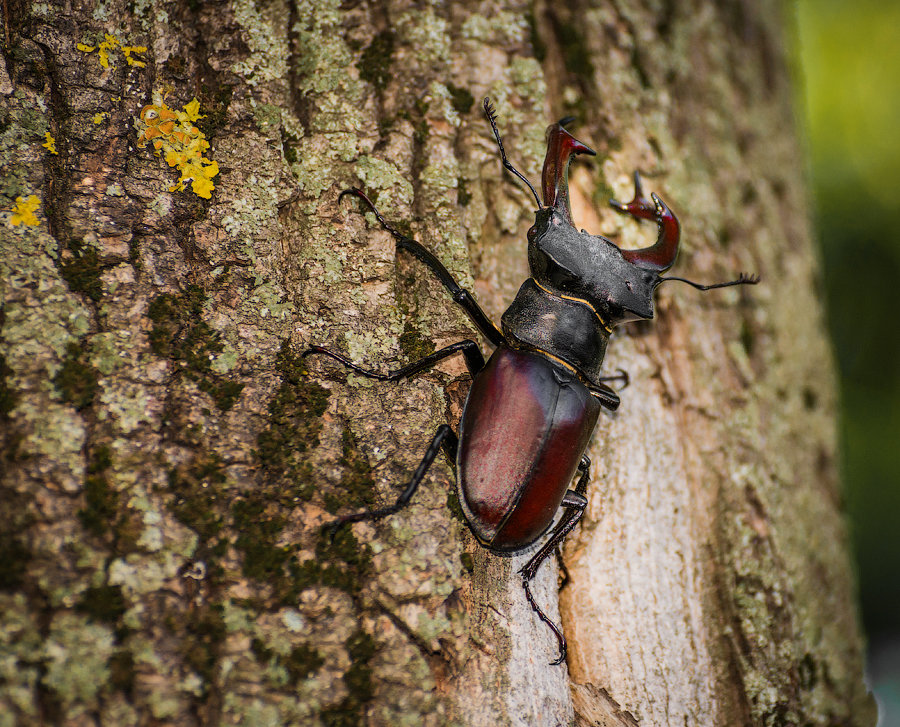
531,411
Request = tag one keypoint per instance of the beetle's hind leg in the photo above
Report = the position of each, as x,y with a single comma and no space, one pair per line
472,354
460,295
445,439
575,502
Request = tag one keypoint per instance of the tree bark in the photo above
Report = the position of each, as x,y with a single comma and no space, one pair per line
169,460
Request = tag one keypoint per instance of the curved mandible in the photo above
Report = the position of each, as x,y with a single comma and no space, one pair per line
661,255
561,146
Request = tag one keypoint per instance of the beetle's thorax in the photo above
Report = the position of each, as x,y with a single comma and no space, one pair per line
589,267
562,327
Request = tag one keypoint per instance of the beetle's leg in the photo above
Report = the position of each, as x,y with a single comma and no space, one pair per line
575,502
492,118
470,350
460,295
661,255
606,396
562,566
445,439
620,375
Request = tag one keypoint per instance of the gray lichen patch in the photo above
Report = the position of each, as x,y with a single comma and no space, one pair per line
20,659
265,32
77,654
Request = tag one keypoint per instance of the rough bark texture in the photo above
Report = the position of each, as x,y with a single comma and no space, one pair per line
168,460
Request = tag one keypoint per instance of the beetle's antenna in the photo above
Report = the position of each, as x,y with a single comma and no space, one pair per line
492,117
743,279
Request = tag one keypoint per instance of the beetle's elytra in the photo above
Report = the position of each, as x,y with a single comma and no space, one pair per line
531,411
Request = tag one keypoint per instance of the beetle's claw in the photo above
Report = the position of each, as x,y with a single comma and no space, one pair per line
562,654
527,574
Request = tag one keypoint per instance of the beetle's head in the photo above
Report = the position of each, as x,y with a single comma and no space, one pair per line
619,284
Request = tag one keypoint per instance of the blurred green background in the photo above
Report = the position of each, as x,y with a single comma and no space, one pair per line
849,55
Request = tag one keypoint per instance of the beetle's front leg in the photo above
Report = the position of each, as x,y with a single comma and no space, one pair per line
575,502
461,296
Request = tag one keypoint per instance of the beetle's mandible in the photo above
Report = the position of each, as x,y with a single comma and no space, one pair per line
531,411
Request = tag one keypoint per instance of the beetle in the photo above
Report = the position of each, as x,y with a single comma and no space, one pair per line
532,407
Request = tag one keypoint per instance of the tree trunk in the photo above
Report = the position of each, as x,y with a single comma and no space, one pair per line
169,459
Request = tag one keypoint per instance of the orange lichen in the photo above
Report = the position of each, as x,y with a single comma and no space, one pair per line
174,135
23,212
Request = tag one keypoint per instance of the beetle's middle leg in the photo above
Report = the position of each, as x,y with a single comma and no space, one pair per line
460,295
575,502
607,396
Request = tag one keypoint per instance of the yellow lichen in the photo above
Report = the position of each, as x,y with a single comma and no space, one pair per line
129,49
111,43
50,143
100,116
23,212
174,135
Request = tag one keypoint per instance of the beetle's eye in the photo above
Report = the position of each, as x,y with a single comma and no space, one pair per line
532,233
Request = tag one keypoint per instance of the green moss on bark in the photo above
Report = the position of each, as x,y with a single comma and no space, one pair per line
8,396
295,413
361,647
179,333
461,99
105,604
14,558
375,63
303,661
199,501
203,635
259,523
414,344
82,271
357,487
76,379
101,500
